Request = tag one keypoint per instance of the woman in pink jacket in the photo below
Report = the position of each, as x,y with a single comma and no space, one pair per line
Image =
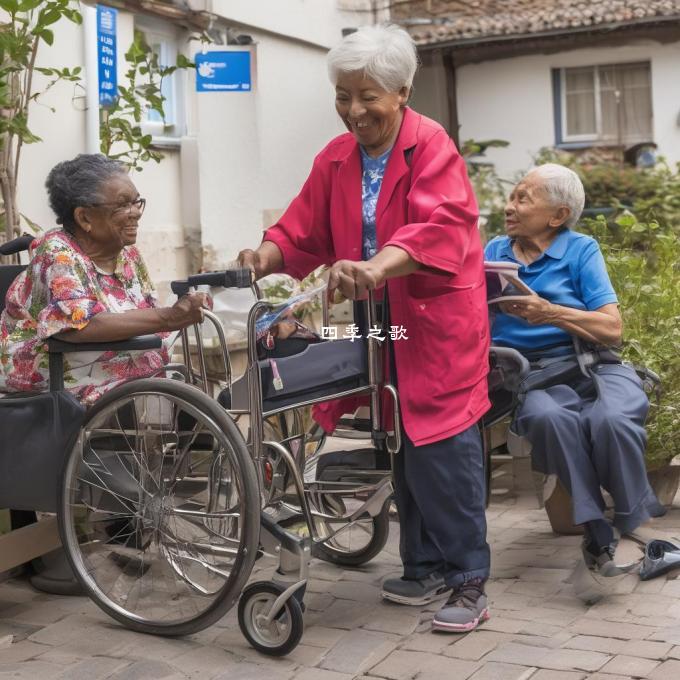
389,206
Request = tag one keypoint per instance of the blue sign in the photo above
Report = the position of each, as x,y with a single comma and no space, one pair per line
106,55
223,72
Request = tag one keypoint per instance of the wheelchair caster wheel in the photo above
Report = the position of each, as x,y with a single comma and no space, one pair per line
278,636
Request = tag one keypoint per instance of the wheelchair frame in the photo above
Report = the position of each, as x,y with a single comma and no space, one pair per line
110,456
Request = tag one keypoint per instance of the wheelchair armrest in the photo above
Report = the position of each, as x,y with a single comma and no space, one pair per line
507,355
142,342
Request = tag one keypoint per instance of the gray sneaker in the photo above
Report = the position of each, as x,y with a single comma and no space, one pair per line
415,591
463,611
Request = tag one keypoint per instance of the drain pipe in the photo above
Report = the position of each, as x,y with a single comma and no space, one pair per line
89,14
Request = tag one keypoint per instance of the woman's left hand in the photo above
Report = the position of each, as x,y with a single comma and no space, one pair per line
533,309
354,278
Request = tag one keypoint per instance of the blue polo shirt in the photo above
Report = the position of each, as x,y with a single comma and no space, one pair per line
571,272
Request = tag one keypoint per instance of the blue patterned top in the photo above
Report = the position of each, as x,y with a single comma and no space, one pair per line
371,181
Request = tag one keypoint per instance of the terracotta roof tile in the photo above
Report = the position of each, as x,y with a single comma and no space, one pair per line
461,19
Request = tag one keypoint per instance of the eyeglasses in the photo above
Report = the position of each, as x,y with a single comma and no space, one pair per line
123,208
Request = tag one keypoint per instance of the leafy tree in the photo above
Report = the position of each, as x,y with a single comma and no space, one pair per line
26,26
121,131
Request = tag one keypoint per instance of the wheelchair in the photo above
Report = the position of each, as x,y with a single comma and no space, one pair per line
165,496
163,505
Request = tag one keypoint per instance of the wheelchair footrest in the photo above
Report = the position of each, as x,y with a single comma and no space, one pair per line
337,466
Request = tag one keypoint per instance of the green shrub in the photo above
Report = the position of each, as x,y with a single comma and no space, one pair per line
643,260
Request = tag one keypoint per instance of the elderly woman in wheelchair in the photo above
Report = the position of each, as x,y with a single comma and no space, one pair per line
87,283
585,423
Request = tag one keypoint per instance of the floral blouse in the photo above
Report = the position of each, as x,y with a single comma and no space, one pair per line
62,289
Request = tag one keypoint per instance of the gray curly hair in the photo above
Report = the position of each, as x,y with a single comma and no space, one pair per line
387,54
78,183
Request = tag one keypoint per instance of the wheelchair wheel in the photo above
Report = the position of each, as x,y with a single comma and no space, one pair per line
159,510
356,543
279,636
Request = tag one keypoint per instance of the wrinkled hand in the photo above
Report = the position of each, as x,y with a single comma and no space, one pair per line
250,259
188,310
533,309
354,279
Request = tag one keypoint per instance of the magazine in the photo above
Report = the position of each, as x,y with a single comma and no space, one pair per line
503,283
286,308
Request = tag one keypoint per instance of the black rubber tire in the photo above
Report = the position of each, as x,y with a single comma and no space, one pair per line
292,608
251,516
381,532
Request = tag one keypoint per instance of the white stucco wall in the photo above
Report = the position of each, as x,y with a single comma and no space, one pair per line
511,99
161,237
256,149
252,151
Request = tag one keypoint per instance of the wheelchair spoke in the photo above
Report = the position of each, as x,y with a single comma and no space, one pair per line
156,506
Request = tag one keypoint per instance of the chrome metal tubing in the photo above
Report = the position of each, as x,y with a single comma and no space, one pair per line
198,333
297,480
255,385
394,443
224,346
373,365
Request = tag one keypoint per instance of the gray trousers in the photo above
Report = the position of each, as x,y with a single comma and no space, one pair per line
590,433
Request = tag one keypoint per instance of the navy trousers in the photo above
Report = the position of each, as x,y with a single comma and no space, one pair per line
591,434
440,494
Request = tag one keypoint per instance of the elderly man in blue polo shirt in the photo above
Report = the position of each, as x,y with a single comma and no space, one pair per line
588,431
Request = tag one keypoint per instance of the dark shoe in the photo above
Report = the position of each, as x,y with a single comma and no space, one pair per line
415,591
660,558
601,560
463,611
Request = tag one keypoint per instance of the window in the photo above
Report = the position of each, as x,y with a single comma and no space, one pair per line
163,38
610,104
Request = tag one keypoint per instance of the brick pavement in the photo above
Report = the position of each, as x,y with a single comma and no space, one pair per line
538,629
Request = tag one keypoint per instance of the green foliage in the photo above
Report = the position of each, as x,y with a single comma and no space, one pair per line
27,25
489,188
643,260
121,131
653,194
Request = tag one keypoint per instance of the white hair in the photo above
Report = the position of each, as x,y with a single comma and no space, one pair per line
563,188
386,54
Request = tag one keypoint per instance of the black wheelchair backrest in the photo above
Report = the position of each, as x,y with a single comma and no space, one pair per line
9,272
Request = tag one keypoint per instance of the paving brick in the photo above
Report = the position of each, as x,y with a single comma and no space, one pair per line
204,663
400,665
668,670
354,590
21,651
475,645
347,614
320,674
95,668
630,665
357,651
558,659
592,643
544,674
620,631
671,635
393,619
35,670
648,649
320,636
250,671
145,670
427,641
503,671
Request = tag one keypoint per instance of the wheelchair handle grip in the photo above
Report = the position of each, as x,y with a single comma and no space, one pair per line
229,278
17,245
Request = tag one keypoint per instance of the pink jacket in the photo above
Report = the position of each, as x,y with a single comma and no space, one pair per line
426,206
